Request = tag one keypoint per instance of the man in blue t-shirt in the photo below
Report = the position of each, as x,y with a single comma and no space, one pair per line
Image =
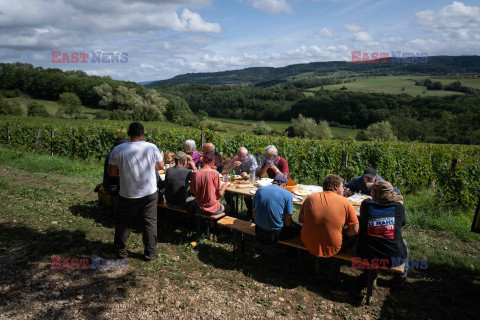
272,208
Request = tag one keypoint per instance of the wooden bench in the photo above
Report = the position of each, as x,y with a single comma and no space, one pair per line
346,254
212,218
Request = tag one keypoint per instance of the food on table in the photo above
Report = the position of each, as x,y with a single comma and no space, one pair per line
303,193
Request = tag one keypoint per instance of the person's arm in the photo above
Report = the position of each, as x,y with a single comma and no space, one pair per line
221,191
287,213
351,187
263,171
159,165
113,170
352,230
351,221
230,166
300,214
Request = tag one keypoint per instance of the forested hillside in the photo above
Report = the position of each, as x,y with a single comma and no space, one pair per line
439,65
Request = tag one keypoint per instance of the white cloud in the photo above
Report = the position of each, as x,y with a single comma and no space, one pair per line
352,27
327,33
270,6
455,22
44,24
362,36
146,66
193,22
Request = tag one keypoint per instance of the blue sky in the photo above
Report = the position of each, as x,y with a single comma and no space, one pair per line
164,38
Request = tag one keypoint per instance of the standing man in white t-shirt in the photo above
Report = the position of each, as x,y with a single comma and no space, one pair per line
135,163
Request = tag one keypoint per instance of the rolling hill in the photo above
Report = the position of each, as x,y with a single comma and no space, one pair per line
267,76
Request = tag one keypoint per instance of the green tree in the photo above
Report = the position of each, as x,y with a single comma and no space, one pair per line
70,103
37,109
380,131
308,128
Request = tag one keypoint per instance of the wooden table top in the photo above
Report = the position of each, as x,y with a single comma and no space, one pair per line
246,192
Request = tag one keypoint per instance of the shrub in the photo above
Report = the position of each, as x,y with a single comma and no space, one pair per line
308,128
37,109
261,128
380,131
211,125
11,107
70,102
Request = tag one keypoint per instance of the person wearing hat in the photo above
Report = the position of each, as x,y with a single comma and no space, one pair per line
177,181
363,183
272,210
207,188
380,236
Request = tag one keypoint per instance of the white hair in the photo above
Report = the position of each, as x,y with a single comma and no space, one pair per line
190,145
242,149
271,150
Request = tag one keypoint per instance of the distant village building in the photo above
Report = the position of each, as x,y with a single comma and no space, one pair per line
467,75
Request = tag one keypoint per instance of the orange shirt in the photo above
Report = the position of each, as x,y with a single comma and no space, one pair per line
324,216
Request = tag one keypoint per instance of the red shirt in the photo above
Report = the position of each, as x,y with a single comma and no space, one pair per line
204,184
282,165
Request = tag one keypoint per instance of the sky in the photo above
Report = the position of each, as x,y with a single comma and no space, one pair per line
160,39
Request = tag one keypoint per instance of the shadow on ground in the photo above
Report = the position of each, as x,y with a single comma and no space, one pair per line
26,272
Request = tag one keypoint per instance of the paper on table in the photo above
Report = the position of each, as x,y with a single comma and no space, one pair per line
358,197
310,188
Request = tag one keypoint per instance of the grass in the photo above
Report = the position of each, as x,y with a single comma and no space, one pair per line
394,85
53,106
48,208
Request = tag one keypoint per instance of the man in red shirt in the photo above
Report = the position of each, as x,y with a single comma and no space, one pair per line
206,187
273,164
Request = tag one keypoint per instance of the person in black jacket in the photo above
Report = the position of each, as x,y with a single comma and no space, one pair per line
380,238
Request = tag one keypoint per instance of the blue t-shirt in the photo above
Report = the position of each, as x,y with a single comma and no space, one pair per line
271,203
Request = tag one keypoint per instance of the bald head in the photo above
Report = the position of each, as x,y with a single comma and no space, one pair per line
208,147
242,151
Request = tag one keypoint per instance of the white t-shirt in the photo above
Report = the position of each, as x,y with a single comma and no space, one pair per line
136,164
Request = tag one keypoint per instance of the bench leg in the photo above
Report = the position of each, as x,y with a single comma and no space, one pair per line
235,236
371,275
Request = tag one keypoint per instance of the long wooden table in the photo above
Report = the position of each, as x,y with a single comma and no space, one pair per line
246,192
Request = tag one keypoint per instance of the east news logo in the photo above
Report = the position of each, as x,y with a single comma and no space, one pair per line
96,57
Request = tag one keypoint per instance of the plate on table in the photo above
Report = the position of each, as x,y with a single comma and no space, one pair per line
302,193
297,199
253,191
237,177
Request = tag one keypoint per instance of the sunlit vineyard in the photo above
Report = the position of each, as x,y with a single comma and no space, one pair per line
410,166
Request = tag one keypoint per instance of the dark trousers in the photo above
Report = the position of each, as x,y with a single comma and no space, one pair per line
229,198
272,237
128,213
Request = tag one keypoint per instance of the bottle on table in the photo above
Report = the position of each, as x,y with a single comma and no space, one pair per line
252,174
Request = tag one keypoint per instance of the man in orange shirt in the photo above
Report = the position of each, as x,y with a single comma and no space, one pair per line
327,218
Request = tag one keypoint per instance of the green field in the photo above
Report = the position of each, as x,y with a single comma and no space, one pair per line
53,106
394,85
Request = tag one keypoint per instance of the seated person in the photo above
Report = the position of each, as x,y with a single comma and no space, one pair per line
329,221
273,164
363,183
177,180
111,183
169,159
381,220
241,165
191,149
209,147
205,185
272,211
